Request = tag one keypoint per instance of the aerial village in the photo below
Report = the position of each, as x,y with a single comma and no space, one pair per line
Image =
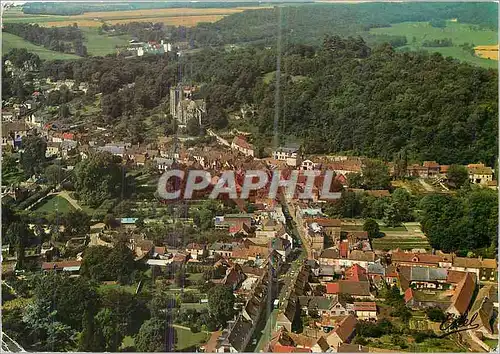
303,281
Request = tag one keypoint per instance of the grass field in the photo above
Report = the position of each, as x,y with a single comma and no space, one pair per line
128,288
10,41
459,33
55,203
172,16
187,339
100,45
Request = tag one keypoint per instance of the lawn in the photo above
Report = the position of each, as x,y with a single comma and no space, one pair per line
492,343
193,306
406,243
10,41
187,339
459,33
128,288
55,203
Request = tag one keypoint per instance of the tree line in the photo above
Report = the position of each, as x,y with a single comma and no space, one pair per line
67,39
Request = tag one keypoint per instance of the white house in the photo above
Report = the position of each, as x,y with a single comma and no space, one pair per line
241,145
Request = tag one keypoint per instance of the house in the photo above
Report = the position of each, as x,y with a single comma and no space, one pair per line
351,348
162,163
282,246
234,277
195,250
289,154
356,273
331,227
235,338
432,168
240,144
13,132
343,332
421,259
223,249
72,267
365,310
324,306
52,149
308,165
485,269
321,346
356,289
416,170
113,149
484,308
418,299
462,297
480,174
425,277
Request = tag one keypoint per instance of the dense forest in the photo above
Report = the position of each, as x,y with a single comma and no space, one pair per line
309,23
67,39
342,97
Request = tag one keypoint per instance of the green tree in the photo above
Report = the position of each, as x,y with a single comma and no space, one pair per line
98,178
154,336
77,223
91,338
376,175
221,303
435,314
354,180
33,154
457,175
54,174
193,127
371,226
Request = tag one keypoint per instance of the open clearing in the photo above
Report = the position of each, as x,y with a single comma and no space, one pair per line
172,16
459,33
55,204
187,339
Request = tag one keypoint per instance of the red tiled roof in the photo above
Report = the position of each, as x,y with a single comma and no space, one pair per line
332,288
60,265
430,164
346,328
463,294
325,222
455,276
241,142
408,294
365,306
355,288
344,248
356,273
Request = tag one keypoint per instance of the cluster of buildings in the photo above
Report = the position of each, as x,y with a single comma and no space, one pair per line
151,47
479,173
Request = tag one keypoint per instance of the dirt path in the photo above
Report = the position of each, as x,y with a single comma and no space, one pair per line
72,201
426,185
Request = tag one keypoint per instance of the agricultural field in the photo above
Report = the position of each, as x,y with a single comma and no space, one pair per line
418,32
487,51
409,238
10,41
172,16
